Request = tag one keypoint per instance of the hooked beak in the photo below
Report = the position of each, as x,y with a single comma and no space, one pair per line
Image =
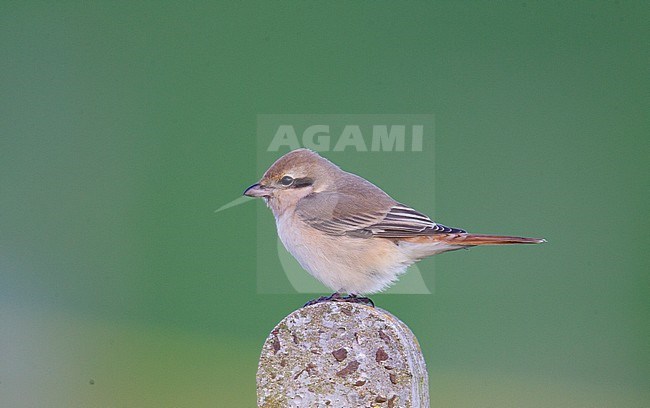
257,190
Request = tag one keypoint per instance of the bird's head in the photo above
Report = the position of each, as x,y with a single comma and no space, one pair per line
293,176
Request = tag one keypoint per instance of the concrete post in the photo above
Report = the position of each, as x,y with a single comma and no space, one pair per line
337,354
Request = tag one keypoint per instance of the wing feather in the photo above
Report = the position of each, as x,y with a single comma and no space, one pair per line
402,221
341,214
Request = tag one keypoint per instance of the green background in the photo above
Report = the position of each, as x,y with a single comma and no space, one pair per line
124,125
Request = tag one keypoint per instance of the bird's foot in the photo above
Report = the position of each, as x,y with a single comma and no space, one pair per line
352,298
336,297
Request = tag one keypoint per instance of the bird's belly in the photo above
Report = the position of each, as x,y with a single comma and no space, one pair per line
346,264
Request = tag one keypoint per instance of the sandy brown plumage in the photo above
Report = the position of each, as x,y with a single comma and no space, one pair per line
349,233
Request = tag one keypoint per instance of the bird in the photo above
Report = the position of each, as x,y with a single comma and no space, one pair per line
347,232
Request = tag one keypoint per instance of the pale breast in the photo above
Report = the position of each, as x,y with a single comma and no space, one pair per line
348,264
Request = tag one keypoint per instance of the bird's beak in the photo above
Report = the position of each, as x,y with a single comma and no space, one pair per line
257,190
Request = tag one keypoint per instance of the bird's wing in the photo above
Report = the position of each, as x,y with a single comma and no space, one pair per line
337,213
402,221
342,214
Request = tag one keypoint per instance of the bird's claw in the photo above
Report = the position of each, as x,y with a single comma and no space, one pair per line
336,297
352,298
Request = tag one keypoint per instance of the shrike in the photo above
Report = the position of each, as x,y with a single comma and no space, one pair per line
348,233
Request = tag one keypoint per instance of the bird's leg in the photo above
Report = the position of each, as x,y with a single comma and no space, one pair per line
334,297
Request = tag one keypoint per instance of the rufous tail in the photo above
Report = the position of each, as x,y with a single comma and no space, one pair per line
480,239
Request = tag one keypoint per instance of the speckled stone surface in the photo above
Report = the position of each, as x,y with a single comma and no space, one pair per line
341,355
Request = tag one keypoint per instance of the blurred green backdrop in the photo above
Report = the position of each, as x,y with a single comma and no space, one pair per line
124,125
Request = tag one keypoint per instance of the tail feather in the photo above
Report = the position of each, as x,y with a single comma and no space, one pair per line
477,239
481,239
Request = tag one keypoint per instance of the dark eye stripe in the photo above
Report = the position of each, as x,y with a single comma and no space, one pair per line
302,182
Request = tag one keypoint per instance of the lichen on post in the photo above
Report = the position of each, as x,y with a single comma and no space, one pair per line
337,354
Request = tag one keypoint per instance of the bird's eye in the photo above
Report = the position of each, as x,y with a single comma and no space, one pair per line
286,181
